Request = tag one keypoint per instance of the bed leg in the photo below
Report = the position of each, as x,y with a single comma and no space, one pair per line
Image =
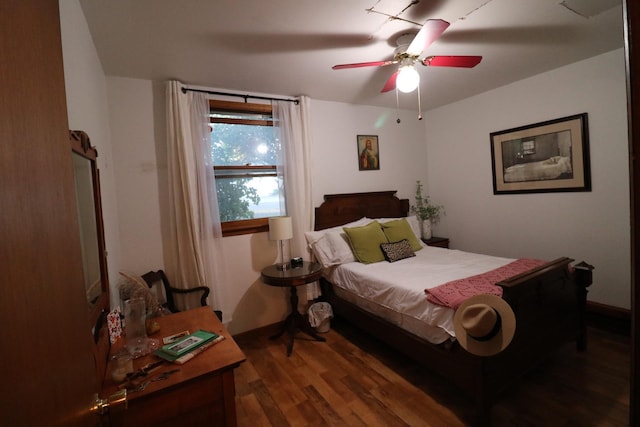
581,342
584,278
483,413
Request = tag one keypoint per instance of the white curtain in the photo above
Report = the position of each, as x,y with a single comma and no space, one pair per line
196,257
293,129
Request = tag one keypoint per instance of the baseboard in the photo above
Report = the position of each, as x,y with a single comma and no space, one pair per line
271,329
607,317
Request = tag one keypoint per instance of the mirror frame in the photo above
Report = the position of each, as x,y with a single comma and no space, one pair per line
81,145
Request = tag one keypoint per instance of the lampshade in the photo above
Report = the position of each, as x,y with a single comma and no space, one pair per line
280,228
407,79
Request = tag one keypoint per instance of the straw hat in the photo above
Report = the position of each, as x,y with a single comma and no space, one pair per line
484,325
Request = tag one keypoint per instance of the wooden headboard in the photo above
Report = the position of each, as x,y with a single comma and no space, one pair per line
338,209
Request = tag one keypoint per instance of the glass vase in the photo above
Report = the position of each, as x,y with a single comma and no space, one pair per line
135,316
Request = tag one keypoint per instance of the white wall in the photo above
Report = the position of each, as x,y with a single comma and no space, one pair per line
87,110
140,169
592,226
403,154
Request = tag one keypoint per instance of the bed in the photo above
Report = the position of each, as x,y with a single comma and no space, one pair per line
548,302
551,168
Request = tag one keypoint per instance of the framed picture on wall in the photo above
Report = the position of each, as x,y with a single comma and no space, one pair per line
368,152
550,156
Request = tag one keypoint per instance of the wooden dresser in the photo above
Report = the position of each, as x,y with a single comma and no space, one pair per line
202,392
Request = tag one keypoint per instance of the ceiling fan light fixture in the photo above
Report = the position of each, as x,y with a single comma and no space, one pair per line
408,79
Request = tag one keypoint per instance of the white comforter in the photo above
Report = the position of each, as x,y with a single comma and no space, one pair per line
400,286
551,168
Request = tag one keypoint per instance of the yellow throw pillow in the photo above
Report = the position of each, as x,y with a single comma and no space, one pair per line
400,229
365,242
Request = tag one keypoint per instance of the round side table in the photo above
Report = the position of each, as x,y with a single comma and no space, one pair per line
292,278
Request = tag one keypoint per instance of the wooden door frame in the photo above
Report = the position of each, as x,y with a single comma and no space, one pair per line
47,364
632,58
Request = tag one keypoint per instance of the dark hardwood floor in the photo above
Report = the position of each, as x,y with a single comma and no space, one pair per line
354,380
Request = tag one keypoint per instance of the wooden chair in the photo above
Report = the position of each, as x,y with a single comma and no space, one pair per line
153,277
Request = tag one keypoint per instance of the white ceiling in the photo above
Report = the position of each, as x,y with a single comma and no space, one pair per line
287,47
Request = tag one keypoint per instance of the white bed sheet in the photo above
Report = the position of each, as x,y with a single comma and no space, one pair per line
396,291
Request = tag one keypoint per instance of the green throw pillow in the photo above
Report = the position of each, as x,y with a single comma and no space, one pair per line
365,242
400,229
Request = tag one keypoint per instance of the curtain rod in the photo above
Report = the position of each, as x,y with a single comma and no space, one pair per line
185,89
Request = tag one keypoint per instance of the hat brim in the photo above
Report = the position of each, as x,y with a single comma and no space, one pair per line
500,341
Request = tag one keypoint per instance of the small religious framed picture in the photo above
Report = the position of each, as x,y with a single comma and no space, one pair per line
368,153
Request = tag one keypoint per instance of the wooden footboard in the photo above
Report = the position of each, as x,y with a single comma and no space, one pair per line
548,301
549,307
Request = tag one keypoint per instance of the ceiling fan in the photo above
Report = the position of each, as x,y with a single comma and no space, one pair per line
406,78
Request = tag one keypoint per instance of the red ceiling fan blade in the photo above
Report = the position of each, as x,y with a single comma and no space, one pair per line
364,64
452,61
390,84
430,31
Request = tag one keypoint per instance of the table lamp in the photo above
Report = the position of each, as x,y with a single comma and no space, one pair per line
280,229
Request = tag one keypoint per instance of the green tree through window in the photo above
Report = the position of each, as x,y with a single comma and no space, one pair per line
245,150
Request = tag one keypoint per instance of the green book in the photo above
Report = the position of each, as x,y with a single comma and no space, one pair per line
188,343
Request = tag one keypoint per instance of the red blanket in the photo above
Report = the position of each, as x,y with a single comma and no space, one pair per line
453,293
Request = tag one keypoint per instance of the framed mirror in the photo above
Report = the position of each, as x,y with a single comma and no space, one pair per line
89,212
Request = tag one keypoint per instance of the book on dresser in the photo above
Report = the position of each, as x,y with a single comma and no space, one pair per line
187,347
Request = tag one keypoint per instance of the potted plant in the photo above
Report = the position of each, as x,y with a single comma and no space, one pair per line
426,212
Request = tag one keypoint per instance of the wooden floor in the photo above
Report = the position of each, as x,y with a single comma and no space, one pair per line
353,380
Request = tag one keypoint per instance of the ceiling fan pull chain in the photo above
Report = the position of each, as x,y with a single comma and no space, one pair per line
397,107
419,105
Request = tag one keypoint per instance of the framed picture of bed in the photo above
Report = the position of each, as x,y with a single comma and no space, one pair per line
551,156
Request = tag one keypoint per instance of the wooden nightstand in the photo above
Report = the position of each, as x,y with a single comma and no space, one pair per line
441,242
292,278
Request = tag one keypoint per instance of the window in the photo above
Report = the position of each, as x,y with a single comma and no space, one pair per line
245,150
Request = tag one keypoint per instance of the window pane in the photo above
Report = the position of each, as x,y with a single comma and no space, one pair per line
246,193
247,198
240,145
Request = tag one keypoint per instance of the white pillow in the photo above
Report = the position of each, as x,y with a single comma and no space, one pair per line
329,250
340,248
313,236
330,246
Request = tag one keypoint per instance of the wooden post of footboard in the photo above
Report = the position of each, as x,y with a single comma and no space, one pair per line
583,276
483,411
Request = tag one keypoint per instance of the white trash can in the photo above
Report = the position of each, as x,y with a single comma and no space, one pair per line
320,314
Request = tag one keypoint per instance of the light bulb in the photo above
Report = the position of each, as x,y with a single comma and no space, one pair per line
407,79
